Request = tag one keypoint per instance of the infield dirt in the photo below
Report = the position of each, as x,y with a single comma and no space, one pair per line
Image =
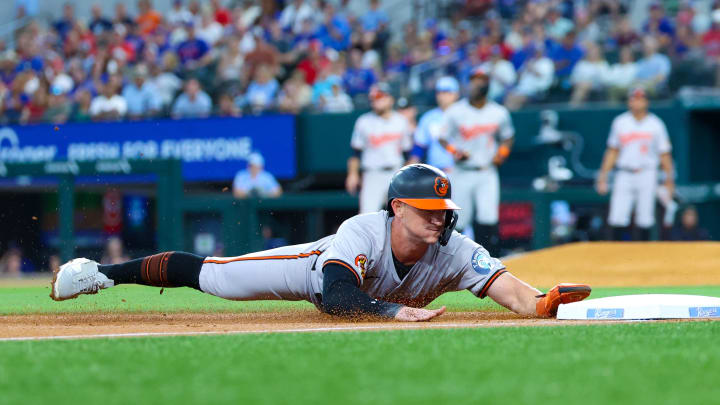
603,264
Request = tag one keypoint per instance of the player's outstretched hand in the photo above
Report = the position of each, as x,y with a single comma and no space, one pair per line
409,314
564,293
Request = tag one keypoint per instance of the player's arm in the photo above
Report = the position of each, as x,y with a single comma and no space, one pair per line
353,168
608,163
666,162
342,296
514,294
503,151
519,297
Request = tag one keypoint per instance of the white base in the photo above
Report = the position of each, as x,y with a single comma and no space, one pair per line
643,306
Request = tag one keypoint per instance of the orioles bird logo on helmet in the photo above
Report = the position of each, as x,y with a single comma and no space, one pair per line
360,262
441,186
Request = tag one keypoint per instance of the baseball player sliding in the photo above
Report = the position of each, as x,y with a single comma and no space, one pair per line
389,263
638,140
381,142
480,134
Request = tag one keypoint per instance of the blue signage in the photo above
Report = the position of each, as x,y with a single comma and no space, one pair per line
210,149
704,312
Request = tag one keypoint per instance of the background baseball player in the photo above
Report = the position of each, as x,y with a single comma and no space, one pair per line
427,147
388,264
638,140
381,142
479,133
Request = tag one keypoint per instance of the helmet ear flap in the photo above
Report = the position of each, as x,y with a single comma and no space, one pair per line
451,218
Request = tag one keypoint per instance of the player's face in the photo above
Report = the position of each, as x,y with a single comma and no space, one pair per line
423,225
382,104
638,104
445,98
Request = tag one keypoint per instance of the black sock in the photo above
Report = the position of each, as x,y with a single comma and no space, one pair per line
643,234
169,269
618,233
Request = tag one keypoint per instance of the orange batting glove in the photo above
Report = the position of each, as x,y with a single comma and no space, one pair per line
563,293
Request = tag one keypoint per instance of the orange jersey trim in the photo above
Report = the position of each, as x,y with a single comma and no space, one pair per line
347,266
282,257
494,277
430,203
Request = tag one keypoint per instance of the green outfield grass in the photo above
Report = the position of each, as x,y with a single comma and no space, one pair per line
637,363
643,363
31,300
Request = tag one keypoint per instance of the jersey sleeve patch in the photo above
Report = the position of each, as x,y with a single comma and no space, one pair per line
481,262
361,264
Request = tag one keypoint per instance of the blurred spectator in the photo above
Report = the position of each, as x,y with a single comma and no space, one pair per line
565,57
81,108
624,34
178,14
209,30
502,74
711,45
688,229
227,107
261,92
262,54
230,66
590,74
193,52
149,19
621,75
314,62
293,15
11,262
98,23
334,31
375,19
221,15
121,15
255,181
557,25
140,95
295,94
166,83
66,22
58,107
336,101
109,105
653,69
193,102
34,110
536,77
658,25
114,252
357,80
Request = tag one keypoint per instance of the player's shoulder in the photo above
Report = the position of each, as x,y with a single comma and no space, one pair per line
468,254
368,116
431,114
458,244
501,109
371,224
622,117
458,107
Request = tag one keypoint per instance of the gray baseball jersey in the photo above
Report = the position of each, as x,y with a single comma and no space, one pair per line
382,141
640,143
477,131
362,245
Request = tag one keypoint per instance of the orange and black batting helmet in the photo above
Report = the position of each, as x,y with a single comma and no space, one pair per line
427,188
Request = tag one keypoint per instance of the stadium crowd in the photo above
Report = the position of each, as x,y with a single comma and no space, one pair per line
213,58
